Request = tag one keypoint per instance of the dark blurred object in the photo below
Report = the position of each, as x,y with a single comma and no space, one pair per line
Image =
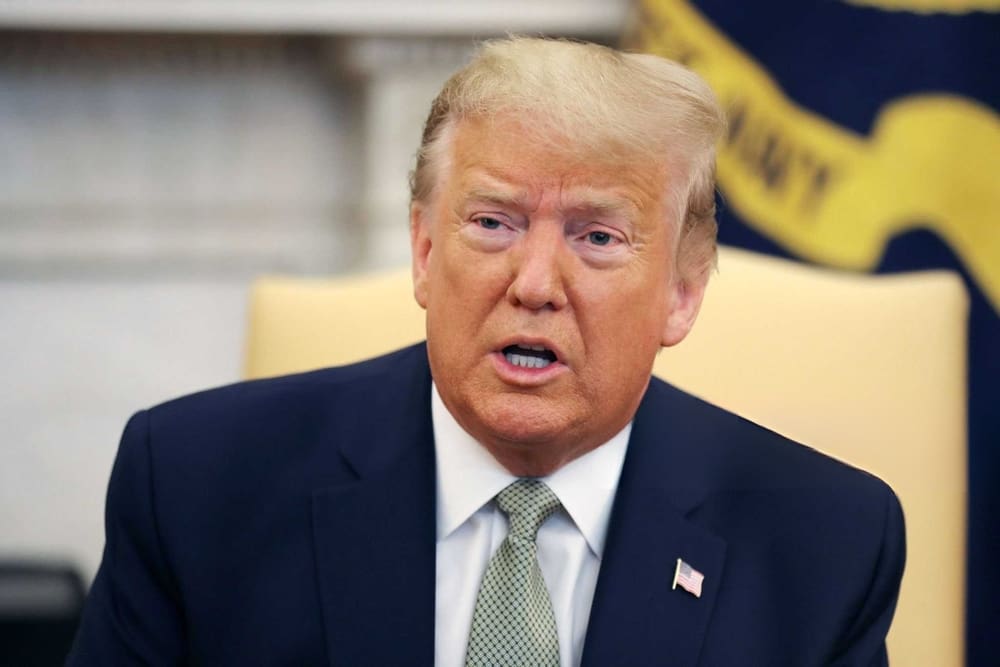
40,605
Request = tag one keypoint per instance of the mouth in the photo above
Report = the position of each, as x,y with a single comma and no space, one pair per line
529,356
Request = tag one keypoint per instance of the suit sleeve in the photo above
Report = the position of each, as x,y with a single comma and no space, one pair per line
864,643
132,615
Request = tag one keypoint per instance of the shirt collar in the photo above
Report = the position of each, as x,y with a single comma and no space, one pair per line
468,477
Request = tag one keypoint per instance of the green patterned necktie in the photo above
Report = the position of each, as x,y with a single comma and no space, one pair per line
513,623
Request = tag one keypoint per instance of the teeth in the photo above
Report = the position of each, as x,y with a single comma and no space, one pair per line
524,361
536,348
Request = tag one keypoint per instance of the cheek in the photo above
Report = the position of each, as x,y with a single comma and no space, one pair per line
469,278
464,293
623,323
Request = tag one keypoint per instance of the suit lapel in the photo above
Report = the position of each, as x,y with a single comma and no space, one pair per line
636,617
375,538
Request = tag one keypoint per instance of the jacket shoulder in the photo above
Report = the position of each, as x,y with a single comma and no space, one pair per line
247,394
283,421
749,455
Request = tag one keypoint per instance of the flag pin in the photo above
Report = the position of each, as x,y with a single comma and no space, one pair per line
688,578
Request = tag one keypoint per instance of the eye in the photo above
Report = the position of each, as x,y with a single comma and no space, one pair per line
599,238
487,222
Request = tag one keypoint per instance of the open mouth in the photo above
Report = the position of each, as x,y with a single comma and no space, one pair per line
528,356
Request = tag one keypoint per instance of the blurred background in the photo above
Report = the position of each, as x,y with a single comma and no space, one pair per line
156,156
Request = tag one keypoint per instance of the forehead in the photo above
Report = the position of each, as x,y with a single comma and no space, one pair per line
514,157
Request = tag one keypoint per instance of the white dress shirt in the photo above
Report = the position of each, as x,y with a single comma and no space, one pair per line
470,528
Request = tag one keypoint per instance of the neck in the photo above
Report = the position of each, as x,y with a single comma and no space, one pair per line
535,459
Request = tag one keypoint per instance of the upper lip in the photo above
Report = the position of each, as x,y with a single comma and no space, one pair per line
527,341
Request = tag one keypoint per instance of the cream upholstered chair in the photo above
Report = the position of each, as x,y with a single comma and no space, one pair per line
870,369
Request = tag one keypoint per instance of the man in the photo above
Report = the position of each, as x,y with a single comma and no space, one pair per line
517,491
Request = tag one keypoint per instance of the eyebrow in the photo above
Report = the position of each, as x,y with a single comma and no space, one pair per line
604,205
497,197
587,203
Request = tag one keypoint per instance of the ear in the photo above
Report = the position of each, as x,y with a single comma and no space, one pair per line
420,249
685,302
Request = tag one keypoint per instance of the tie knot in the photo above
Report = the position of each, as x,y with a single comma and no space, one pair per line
527,503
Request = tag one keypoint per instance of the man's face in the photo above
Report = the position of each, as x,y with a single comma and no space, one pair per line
549,287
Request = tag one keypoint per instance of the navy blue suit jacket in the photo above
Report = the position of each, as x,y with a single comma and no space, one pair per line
291,521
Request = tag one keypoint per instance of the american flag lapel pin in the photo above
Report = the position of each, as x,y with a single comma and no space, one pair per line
688,578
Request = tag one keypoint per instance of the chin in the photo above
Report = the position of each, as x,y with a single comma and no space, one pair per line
526,419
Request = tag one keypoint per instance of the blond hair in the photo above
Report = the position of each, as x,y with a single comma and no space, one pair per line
597,101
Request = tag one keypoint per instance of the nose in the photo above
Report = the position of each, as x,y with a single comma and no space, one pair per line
538,270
